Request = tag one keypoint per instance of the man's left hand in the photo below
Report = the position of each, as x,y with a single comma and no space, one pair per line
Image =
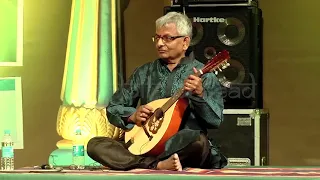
194,84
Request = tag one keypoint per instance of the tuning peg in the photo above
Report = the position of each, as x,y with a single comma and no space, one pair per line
219,69
215,72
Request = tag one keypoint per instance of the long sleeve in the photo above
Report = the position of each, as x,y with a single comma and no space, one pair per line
124,101
209,107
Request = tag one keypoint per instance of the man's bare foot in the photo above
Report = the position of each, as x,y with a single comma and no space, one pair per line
172,163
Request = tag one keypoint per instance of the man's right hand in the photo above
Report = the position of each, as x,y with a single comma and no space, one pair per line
141,115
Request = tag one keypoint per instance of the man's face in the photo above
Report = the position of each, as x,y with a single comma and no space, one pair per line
169,44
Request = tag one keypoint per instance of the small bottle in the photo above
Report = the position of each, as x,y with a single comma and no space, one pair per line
7,156
78,151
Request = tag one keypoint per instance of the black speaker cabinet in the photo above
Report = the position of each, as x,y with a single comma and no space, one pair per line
244,137
237,29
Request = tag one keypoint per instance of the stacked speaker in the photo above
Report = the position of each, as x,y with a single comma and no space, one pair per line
236,26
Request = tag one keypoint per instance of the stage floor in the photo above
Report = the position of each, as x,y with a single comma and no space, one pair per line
225,174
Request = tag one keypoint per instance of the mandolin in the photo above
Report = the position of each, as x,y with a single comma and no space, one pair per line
150,138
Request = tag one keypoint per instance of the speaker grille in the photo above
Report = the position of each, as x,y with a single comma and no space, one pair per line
238,30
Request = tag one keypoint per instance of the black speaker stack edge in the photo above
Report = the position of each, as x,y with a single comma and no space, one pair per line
214,2
235,26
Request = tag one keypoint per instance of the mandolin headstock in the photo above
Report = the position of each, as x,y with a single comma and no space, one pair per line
217,63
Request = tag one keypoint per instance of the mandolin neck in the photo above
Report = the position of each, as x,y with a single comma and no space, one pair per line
176,96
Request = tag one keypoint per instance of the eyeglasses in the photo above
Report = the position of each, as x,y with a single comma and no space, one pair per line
165,38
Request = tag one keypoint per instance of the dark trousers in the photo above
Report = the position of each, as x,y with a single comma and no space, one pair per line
113,154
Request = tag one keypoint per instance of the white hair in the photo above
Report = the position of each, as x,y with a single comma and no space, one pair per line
182,22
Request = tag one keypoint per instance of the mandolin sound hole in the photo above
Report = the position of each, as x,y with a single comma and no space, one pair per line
156,121
158,114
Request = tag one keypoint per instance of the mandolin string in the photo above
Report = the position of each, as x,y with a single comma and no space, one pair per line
165,107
